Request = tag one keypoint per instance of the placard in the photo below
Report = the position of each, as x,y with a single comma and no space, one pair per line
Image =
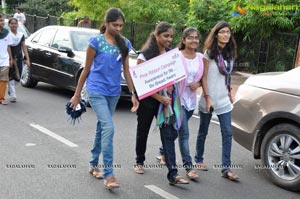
158,73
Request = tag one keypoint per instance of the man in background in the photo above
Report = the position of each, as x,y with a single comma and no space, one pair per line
20,16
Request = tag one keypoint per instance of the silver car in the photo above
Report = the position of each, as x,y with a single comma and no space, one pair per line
266,121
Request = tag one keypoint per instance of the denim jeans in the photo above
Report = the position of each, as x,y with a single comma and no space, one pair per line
226,130
183,140
104,106
168,136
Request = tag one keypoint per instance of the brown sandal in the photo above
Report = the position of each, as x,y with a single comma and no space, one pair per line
111,183
96,173
192,175
201,166
179,180
230,175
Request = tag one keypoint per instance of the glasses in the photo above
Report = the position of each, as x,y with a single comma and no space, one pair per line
224,32
192,38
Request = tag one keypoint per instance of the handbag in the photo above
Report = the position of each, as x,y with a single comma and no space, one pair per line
14,73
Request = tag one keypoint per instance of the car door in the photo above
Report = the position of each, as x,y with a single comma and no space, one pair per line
66,64
41,55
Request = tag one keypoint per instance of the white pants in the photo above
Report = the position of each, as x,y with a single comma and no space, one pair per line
12,88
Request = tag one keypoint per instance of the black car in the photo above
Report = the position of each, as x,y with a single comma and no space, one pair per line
57,55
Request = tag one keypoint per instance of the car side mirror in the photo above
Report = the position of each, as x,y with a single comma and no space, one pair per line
66,50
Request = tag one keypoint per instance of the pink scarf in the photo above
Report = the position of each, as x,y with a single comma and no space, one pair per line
198,76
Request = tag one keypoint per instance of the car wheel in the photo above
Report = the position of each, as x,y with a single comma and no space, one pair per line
84,95
281,155
26,78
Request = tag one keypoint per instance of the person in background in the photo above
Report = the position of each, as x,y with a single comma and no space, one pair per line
105,56
19,15
84,23
5,58
18,47
219,55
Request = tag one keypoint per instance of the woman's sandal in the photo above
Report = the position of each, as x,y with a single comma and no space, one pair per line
179,180
111,183
230,175
139,169
3,102
161,159
96,173
201,166
192,175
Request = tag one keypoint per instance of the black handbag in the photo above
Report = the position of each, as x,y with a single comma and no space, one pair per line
14,73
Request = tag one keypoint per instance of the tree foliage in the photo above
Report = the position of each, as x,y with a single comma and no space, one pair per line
44,8
262,22
204,14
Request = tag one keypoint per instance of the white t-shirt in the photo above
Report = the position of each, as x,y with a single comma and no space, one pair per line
20,16
192,68
4,56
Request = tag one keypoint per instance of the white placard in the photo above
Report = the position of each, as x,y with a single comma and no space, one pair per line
158,73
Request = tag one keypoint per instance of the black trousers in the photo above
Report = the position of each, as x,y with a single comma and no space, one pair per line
145,114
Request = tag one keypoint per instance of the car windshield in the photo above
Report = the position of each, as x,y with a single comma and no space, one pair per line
21,29
81,39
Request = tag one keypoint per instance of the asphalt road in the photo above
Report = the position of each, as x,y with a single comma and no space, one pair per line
34,165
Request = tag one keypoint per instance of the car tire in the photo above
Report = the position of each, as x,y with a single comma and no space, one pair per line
26,78
84,95
281,155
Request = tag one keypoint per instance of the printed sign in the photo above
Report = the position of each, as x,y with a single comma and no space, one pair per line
158,73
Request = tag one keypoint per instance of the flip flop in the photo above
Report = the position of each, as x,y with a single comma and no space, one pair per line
192,175
230,175
96,173
3,102
179,180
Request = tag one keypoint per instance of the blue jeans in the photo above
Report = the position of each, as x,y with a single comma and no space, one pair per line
104,106
168,136
183,140
226,130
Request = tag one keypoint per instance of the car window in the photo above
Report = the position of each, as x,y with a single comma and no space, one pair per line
81,39
36,38
61,39
46,37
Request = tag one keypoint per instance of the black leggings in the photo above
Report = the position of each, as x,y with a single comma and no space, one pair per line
145,114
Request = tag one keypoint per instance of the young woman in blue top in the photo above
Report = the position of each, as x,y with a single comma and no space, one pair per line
105,56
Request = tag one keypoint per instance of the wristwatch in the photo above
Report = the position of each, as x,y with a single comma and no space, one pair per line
132,92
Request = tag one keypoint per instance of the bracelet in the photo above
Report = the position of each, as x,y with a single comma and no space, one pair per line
206,96
132,92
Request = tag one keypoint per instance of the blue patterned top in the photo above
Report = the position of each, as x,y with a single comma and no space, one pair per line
105,74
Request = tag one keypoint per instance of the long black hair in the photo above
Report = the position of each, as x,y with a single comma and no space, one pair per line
150,48
185,33
211,43
112,15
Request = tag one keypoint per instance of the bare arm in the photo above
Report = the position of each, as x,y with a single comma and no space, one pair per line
134,100
90,54
24,49
204,84
11,61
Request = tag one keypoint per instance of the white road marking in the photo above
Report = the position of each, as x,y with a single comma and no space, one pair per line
161,192
30,144
53,135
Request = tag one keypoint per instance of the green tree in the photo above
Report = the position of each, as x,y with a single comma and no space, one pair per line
261,22
44,8
204,14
